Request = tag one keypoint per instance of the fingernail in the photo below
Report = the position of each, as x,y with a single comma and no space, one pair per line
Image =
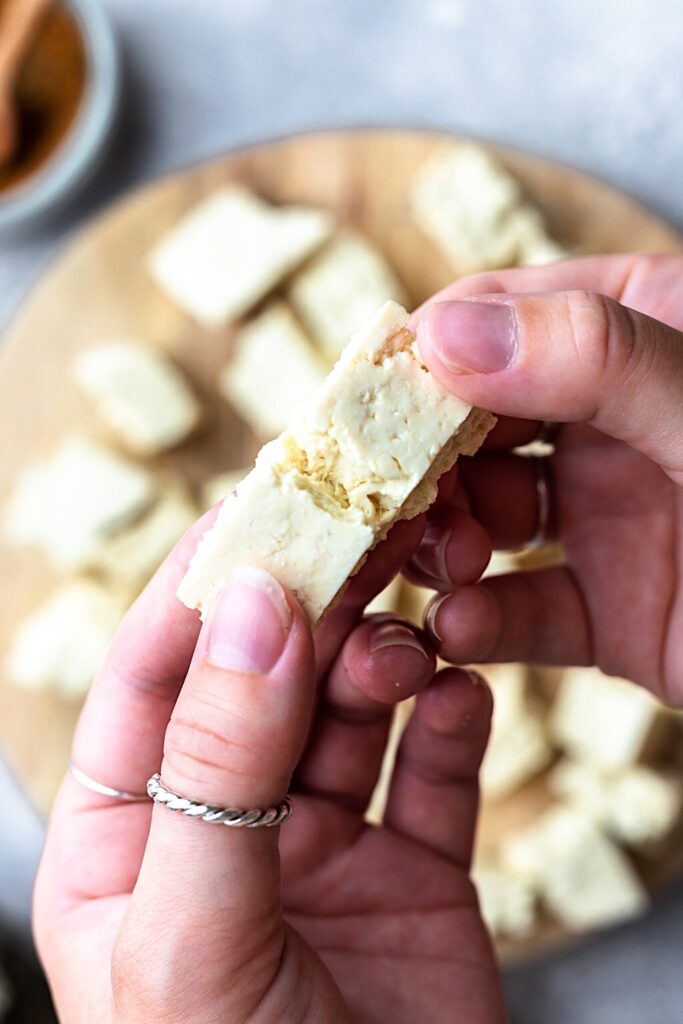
432,612
474,677
472,337
249,623
395,634
430,557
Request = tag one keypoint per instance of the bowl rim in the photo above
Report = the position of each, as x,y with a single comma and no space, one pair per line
77,152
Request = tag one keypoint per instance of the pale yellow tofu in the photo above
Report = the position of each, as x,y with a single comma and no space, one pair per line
139,393
274,370
340,288
507,900
61,645
70,504
366,451
231,250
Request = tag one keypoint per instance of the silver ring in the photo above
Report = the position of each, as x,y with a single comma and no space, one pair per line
99,787
540,538
230,816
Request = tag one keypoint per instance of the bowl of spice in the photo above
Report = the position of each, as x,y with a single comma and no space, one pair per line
59,85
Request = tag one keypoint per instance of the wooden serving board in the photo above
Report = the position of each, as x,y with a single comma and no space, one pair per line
99,289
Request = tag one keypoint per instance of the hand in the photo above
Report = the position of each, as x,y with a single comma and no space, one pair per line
145,916
594,344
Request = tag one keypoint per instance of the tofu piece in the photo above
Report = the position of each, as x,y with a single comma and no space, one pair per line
133,556
473,209
273,372
636,806
367,450
608,722
139,394
233,248
582,877
217,487
61,645
340,288
518,748
80,497
387,600
507,901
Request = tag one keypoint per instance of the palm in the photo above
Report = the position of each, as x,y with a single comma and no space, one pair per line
396,924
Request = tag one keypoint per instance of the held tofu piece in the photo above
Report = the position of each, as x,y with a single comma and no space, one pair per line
366,451
473,209
80,497
273,372
518,748
340,288
583,878
217,487
608,722
60,647
233,248
134,555
139,394
507,900
637,806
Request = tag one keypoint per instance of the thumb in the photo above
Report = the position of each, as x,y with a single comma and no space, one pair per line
208,892
567,357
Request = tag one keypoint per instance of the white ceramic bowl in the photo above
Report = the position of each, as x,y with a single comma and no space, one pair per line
78,152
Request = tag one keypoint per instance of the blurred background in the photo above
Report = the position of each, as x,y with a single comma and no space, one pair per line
596,85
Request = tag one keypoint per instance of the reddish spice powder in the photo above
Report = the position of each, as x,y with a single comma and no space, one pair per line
48,94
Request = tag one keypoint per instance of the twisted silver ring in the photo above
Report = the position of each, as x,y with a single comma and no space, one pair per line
230,816
541,537
99,787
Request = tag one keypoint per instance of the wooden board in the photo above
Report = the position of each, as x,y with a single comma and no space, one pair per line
99,289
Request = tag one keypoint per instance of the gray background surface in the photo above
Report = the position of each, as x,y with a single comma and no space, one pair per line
594,83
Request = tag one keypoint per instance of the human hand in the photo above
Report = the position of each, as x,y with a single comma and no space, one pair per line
147,916
593,344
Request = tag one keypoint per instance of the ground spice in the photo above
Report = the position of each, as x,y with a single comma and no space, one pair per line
48,94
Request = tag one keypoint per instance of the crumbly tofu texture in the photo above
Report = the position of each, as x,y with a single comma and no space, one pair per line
473,209
80,497
366,451
139,394
228,252
61,645
340,288
274,370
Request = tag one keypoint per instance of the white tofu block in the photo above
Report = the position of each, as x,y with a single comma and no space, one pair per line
365,451
518,748
340,288
273,372
139,394
217,487
583,878
134,555
636,806
606,721
70,504
473,209
60,647
387,600
506,900
233,248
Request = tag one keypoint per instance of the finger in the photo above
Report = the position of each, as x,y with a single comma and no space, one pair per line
509,433
571,356
535,617
455,550
434,793
383,661
237,730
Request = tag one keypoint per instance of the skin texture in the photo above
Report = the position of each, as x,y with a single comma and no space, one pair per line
146,916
